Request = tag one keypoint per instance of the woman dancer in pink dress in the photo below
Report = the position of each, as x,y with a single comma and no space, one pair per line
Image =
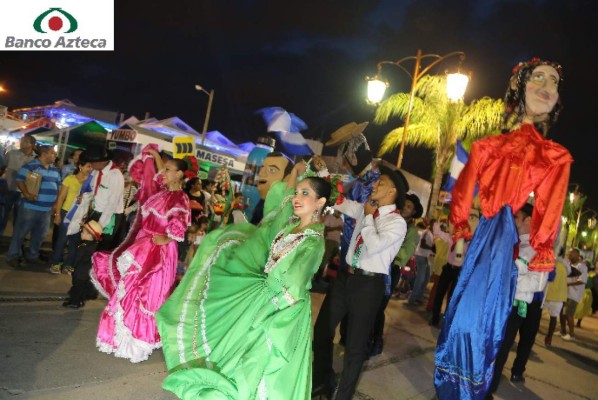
139,275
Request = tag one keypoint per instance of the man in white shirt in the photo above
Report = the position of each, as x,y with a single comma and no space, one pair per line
358,291
526,313
13,161
108,186
422,273
575,288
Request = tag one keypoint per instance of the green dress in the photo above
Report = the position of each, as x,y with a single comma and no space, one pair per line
238,326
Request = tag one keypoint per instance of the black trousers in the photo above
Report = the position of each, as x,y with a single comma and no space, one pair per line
378,330
527,328
446,283
82,287
358,297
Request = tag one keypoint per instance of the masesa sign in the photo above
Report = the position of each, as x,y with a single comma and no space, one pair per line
69,25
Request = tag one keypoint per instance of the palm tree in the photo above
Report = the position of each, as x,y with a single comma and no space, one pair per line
437,123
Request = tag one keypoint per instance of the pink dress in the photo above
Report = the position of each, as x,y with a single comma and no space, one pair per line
138,277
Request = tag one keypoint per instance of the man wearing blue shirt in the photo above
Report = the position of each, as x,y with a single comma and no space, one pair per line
35,210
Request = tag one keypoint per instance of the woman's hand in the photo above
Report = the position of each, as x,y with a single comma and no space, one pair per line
57,220
161,240
300,168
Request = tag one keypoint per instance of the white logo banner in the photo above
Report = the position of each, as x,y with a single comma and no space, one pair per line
57,25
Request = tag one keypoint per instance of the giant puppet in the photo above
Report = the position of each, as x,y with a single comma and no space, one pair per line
507,168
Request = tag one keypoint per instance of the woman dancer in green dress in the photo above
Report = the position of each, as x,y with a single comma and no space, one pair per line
239,324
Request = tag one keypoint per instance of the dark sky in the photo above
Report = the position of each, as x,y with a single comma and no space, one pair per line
311,57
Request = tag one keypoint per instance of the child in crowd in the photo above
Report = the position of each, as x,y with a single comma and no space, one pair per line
82,289
195,234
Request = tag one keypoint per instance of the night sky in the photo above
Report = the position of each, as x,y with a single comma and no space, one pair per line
311,57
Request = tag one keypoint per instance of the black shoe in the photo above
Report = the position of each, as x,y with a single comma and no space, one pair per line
376,347
14,262
322,392
92,295
517,378
73,304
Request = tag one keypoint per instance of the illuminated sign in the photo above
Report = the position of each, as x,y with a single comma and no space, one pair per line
215,158
183,146
122,135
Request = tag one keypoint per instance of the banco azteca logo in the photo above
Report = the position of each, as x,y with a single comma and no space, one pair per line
55,19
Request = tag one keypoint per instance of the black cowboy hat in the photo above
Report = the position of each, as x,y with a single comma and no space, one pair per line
399,181
419,209
95,154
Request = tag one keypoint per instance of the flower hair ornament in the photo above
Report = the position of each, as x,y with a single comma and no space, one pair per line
335,180
192,166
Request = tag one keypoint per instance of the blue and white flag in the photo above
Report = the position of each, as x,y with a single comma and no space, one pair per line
287,127
457,165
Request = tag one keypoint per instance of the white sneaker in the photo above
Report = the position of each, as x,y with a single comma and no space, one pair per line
568,338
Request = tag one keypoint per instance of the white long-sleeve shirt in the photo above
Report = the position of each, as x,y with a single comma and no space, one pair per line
528,282
382,237
108,199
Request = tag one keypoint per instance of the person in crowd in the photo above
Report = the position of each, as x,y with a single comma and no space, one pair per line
333,225
506,168
441,246
69,191
207,189
36,209
91,233
411,211
425,248
13,161
576,283
107,186
195,234
70,167
450,271
358,291
130,206
556,295
197,198
145,265
253,317
526,312
355,158
584,308
235,214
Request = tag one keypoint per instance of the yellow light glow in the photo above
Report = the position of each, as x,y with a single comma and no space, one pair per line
376,89
456,84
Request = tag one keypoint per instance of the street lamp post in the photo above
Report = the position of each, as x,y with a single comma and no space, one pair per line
210,94
591,222
456,84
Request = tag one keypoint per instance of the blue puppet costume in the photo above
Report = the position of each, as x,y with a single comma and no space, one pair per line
507,169
353,155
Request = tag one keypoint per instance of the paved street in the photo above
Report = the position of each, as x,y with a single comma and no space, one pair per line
49,352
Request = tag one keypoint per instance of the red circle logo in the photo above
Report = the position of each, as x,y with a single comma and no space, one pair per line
55,23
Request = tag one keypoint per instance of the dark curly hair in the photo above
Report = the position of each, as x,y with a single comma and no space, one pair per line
515,96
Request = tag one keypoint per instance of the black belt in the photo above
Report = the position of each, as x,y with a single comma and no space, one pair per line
359,271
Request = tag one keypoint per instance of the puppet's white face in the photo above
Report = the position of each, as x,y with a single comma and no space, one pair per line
541,92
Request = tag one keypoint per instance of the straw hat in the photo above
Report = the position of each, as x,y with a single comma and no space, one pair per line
94,228
346,133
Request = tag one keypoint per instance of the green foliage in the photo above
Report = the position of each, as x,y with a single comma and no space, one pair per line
435,121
